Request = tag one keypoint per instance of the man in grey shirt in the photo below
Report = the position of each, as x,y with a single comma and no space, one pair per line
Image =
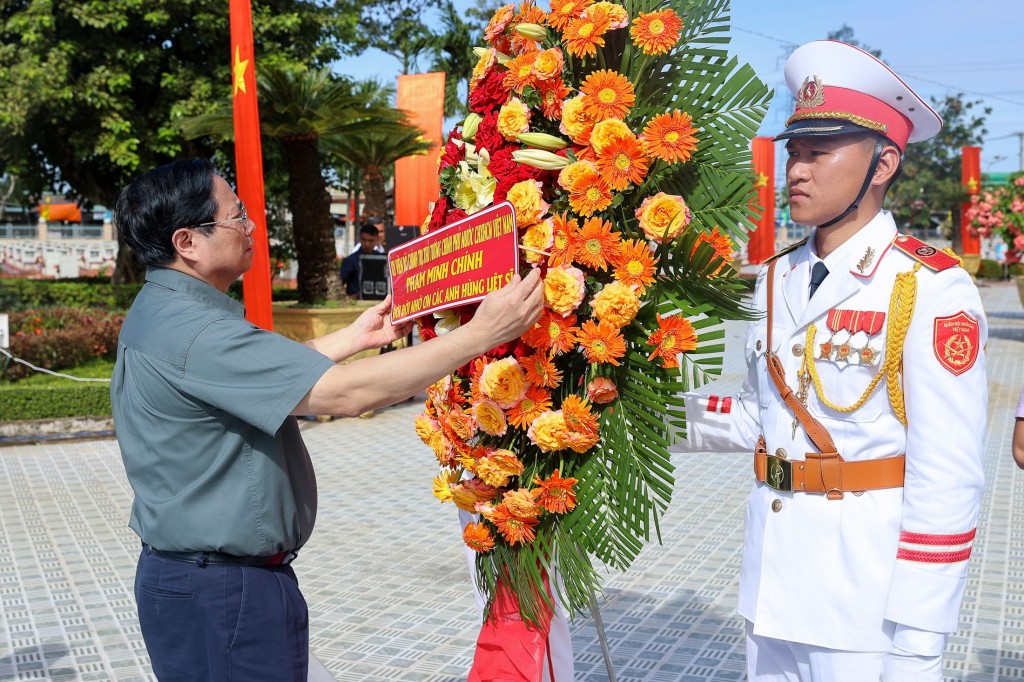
203,405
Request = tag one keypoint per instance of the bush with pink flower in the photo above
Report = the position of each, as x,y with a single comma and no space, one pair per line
999,213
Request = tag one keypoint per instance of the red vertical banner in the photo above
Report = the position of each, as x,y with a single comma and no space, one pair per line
970,177
256,288
422,96
762,240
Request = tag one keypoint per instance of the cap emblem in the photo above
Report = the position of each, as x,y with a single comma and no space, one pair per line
811,95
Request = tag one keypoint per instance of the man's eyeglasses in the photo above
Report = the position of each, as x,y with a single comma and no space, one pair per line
243,220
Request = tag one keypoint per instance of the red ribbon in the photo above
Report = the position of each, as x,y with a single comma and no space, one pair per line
868,321
509,649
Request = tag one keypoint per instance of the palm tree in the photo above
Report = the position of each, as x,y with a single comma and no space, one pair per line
300,108
369,157
453,54
372,154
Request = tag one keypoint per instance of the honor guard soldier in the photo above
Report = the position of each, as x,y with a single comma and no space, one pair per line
864,403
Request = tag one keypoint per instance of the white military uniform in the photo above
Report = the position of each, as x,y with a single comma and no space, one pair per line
849,574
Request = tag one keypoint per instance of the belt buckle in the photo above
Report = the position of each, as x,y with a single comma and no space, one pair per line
780,474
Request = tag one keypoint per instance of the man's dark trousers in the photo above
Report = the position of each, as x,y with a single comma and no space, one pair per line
220,622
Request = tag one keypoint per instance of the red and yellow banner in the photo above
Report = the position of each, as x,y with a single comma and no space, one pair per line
457,264
256,288
762,240
970,176
420,95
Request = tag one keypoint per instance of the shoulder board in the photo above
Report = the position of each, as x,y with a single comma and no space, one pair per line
926,254
788,249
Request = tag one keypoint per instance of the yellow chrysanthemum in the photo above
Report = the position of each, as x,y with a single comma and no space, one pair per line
490,418
498,467
548,64
538,237
576,121
663,216
547,432
528,201
616,304
563,289
607,131
504,382
513,118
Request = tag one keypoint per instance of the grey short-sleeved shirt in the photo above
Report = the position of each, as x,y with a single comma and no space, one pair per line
201,401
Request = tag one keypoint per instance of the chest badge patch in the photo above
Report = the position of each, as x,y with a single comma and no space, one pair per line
956,342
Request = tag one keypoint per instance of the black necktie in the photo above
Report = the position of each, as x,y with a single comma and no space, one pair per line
818,274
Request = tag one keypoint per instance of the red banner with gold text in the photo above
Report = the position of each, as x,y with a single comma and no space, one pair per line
762,240
421,95
970,176
256,288
457,264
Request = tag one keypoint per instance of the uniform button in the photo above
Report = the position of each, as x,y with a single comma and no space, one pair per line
781,453
798,350
776,505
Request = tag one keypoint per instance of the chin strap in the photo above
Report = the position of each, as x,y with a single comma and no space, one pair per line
879,146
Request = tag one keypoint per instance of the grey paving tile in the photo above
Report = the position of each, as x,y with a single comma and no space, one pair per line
387,583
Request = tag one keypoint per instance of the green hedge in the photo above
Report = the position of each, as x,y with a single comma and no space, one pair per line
51,402
990,269
26,294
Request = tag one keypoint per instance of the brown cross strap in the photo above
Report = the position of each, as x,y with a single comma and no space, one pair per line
823,472
818,434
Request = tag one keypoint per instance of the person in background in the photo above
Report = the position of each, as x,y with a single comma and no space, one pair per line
204,407
375,222
369,238
1018,433
864,404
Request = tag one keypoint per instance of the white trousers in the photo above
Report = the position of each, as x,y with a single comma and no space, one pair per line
776,660
559,641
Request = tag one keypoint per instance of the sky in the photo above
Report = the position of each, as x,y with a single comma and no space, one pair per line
939,47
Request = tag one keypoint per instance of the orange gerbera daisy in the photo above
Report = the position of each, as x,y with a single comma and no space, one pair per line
602,342
607,94
564,11
675,335
553,332
563,240
520,72
536,402
656,32
583,35
719,242
540,371
555,493
670,137
622,163
552,93
596,244
478,537
580,424
512,528
634,264
589,193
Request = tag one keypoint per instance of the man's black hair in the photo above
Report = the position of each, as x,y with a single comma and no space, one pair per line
369,228
161,201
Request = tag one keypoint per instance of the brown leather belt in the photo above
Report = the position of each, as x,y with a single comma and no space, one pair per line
828,474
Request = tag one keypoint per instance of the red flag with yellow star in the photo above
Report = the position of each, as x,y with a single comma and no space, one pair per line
249,163
971,179
762,240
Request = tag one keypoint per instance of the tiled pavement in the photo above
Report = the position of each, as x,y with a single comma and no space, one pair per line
385,576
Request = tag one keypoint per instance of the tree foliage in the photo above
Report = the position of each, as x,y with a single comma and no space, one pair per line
397,28
94,91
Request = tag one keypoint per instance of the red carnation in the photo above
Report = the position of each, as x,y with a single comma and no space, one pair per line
489,94
437,217
487,135
454,151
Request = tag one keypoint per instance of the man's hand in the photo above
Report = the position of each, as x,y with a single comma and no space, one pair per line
374,329
511,311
